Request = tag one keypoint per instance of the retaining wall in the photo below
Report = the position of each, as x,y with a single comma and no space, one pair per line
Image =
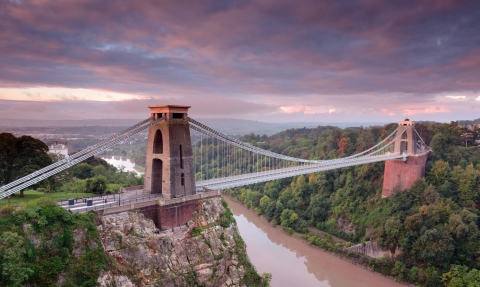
166,213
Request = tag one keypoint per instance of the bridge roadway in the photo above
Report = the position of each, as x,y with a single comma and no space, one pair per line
109,201
137,196
263,176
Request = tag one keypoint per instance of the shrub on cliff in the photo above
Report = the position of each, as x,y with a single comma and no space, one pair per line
42,244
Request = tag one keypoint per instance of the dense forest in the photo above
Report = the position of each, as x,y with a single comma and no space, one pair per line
432,229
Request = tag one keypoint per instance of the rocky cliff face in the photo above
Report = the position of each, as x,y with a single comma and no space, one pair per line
208,251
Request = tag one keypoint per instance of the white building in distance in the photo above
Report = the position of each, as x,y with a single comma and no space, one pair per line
60,148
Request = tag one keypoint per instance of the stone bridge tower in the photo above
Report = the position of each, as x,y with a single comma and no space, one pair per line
169,168
401,173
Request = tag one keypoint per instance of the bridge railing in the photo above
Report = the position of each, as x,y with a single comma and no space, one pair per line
114,203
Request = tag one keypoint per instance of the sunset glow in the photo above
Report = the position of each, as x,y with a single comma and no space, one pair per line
275,61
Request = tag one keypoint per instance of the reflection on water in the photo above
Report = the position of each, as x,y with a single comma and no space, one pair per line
295,263
119,162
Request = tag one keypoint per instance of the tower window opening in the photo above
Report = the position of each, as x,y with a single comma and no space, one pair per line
158,142
177,116
181,157
182,179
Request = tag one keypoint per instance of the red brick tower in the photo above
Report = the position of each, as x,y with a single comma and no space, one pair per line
400,174
169,168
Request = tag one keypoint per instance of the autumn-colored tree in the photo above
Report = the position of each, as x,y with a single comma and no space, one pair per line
343,146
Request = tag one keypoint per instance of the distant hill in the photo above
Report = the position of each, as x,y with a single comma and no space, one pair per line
242,127
67,123
469,122
225,125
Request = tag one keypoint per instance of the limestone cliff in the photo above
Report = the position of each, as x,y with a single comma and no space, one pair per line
208,251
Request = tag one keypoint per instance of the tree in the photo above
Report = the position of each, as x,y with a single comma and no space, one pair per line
439,173
434,246
399,269
430,195
21,156
459,276
413,274
264,203
432,279
466,180
82,171
8,152
417,190
343,146
390,234
97,185
318,208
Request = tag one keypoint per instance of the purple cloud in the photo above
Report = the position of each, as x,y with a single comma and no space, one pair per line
247,57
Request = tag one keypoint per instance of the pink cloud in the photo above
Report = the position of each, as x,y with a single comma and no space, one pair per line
427,110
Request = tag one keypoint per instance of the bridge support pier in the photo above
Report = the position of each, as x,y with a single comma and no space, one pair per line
169,166
400,174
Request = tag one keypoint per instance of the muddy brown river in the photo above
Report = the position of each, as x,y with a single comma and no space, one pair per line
295,263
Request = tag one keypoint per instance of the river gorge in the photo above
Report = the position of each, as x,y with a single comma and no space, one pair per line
295,263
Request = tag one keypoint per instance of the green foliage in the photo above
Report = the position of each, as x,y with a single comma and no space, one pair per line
196,231
434,224
14,270
40,264
97,185
460,276
432,279
75,186
266,278
399,270
82,171
413,274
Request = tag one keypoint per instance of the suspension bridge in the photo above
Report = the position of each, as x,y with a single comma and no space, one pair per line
185,157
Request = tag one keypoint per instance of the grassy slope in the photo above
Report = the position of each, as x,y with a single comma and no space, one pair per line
31,195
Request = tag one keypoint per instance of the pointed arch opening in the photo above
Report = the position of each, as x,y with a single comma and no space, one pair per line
158,142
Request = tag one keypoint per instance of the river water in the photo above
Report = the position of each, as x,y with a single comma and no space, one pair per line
295,263
119,162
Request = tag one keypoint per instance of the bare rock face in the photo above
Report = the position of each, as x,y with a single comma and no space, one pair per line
345,226
202,252
371,249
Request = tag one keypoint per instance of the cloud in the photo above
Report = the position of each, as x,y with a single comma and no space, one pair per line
292,109
456,97
245,58
428,110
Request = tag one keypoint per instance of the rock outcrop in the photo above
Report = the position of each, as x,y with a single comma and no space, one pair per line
371,249
202,253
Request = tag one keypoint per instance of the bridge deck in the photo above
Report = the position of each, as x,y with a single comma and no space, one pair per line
252,178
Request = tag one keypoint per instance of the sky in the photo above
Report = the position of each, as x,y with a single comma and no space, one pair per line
265,60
